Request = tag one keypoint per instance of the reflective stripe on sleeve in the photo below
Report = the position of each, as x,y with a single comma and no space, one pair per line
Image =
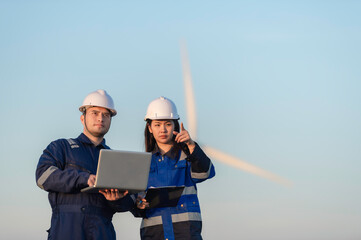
45,176
133,198
203,175
188,216
152,221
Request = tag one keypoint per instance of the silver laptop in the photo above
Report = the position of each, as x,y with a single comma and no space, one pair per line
123,170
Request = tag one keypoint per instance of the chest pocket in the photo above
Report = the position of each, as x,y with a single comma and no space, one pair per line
178,173
75,158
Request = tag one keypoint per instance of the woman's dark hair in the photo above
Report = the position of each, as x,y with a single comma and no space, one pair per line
149,139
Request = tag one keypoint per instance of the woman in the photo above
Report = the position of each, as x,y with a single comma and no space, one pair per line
176,161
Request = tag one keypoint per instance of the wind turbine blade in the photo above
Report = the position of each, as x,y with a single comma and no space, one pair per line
237,163
189,93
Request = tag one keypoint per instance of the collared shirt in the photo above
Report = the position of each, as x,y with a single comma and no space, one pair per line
171,153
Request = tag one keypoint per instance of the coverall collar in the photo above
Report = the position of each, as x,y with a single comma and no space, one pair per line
171,154
83,138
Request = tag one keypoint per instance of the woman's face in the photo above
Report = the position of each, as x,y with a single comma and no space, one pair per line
162,131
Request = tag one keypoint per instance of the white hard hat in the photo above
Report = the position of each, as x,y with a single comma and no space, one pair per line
161,108
99,98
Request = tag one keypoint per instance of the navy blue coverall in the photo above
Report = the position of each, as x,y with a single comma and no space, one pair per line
63,170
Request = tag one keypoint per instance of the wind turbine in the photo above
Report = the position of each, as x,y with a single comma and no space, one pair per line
210,151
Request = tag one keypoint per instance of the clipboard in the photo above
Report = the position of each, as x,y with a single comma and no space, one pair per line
163,196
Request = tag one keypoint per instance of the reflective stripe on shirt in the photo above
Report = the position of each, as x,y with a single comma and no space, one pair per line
188,216
152,221
72,143
189,190
183,156
180,217
45,176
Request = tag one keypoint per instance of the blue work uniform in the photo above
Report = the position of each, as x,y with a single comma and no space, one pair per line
63,170
183,221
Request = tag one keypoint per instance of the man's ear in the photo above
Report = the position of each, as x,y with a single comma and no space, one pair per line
82,119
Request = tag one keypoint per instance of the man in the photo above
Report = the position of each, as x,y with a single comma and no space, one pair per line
68,165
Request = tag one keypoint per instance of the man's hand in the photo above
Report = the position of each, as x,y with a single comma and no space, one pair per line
91,180
113,194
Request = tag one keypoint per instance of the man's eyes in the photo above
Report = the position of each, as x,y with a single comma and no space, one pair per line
107,115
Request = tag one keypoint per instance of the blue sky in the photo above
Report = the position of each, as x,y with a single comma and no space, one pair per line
276,84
